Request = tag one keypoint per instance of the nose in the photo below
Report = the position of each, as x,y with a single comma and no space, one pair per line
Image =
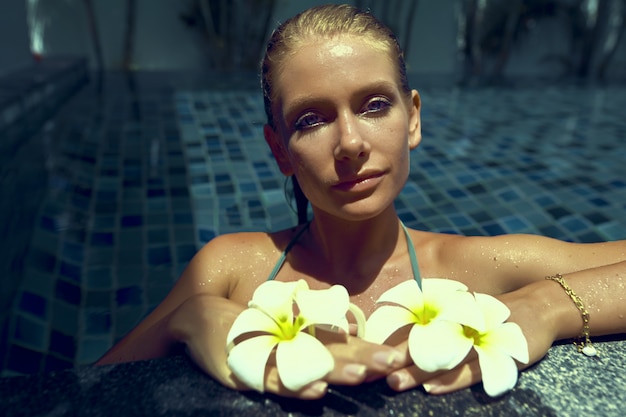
350,142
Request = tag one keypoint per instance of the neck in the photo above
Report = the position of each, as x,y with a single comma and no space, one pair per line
353,253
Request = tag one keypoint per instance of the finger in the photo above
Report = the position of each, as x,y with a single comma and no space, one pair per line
459,378
374,357
462,376
407,378
312,391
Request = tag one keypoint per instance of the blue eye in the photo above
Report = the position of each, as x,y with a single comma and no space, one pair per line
308,121
376,105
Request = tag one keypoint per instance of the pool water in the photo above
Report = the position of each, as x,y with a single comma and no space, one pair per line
141,172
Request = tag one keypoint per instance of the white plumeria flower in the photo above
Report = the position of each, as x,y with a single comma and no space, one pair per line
270,324
497,345
437,314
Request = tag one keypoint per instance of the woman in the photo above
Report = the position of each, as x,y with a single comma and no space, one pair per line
342,121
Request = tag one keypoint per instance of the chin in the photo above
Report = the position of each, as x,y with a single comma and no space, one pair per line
360,210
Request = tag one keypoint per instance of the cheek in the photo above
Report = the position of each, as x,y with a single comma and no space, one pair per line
396,141
305,162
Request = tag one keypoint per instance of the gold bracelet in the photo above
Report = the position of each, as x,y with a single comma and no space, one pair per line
583,344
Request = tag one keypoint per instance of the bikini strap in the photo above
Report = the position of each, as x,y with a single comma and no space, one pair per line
413,257
283,256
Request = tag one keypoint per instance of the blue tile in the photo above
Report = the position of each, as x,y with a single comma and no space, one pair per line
129,296
552,231
43,260
155,192
33,304
71,271
618,183
573,224
98,322
53,363
47,223
599,202
160,235
159,256
514,224
248,187
481,216
131,221
461,220
30,332
597,217
407,217
179,218
62,344
185,252
590,237
205,235
102,239
545,200
493,229
23,360
67,292
456,193
509,195
91,350
558,212
179,192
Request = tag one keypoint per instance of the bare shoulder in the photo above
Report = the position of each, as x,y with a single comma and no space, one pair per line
505,262
220,265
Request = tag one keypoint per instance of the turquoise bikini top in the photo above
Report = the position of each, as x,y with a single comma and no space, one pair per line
411,248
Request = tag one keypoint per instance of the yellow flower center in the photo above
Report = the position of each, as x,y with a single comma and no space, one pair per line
474,334
289,330
427,315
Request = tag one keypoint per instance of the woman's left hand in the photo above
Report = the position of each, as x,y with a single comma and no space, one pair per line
530,309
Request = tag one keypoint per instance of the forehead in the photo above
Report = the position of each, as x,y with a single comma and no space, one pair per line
322,66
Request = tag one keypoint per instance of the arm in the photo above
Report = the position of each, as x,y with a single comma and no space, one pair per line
595,272
199,311
153,336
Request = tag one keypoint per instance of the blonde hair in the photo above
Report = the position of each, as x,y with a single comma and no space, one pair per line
326,21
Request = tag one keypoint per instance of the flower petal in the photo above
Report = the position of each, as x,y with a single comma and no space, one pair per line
457,306
406,294
494,310
334,302
251,320
302,360
498,370
442,284
248,359
439,345
385,320
276,298
508,338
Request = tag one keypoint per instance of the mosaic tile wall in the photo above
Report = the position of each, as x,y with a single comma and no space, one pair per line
137,183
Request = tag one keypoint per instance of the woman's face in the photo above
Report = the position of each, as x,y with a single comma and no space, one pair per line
343,126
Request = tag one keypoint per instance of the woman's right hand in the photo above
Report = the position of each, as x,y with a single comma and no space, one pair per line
202,323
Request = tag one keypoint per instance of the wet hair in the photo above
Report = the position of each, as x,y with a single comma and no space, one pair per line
323,22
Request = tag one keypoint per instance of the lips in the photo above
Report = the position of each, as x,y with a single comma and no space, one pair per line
361,182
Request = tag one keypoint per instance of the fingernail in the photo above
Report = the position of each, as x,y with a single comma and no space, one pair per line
432,387
354,370
316,389
386,358
397,381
